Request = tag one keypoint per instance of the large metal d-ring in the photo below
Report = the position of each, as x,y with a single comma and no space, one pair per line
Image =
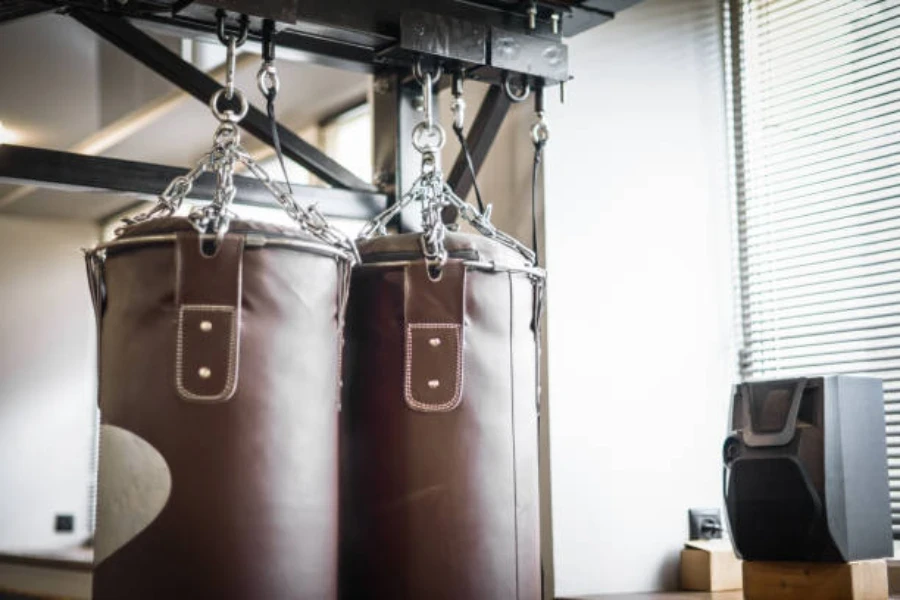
267,79
507,87
229,115
540,132
419,72
428,139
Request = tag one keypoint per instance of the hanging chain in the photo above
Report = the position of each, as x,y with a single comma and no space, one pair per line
434,194
422,187
429,138
215,217
171,199
309,218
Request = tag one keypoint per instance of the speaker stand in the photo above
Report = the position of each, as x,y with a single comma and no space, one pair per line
863,580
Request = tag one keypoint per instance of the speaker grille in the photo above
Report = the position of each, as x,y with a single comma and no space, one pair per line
775,515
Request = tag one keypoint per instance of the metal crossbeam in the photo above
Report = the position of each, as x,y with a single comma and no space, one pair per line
198,84
78,172
481,135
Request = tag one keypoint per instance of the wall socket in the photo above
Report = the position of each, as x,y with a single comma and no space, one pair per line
705,524
65,523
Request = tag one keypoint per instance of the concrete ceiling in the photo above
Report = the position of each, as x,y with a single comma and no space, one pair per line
64,85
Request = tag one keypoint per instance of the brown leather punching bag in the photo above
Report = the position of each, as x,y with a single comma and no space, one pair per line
219,391
439,429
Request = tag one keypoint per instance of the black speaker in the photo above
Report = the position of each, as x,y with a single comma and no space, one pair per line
806,475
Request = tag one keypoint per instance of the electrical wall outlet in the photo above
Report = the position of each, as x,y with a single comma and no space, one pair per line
65,523
705,524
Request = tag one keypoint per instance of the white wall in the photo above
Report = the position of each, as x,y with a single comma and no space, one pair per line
641,354
47,381
50,92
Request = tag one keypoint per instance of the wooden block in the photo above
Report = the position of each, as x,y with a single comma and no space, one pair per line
893,576
710,567
864,580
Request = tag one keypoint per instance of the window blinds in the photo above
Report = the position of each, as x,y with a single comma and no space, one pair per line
815,102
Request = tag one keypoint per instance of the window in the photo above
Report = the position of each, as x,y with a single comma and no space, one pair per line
348,137
815,101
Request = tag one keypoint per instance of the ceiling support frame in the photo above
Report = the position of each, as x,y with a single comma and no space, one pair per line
497,42
201,86
79,172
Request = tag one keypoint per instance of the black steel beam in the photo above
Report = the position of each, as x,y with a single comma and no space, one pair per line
361,34
198,84
77,172
361,21
489,38
481,135
293,45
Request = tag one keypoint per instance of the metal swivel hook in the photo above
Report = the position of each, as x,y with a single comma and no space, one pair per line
267,77
231,93
540,130
428,136
458,105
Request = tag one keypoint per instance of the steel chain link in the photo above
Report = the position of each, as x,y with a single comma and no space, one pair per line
225,154
422,190
434,194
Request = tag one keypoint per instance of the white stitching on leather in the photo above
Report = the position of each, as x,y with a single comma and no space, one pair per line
456,398
231,379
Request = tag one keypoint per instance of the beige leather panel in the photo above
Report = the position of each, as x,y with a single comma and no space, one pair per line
133,488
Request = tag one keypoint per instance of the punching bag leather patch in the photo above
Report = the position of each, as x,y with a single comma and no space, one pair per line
433,356
208,296
133,488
